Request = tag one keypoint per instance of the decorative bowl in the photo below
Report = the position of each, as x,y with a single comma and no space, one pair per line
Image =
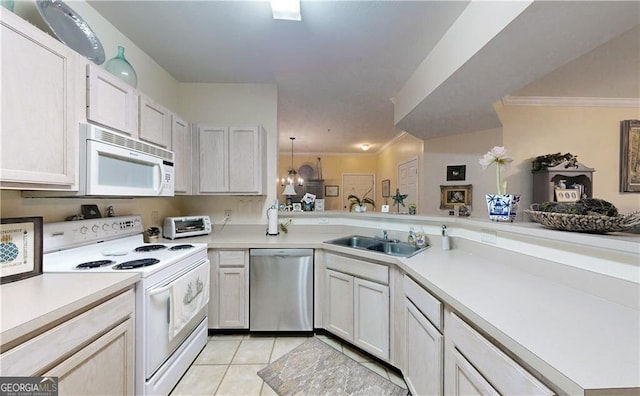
595,224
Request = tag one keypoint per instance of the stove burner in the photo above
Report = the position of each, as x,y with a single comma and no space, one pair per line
181,247
149,248
136,263
94,264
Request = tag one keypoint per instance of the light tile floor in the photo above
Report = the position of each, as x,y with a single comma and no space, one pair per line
228,364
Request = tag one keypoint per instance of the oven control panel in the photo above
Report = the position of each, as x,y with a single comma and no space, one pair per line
67,234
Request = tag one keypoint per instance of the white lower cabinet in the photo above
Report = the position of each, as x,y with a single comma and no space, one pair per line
339,304
423,371
473,365
229,306
91,353
357,309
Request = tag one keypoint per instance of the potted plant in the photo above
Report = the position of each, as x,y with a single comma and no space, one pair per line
501,206
412,208
359,204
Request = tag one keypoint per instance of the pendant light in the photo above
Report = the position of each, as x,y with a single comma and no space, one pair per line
289,189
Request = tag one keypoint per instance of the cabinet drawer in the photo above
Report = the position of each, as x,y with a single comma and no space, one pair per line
35,355
231,258
507,376
362,269
424,301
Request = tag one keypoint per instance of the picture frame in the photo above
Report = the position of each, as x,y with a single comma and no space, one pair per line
20,248
331,190
386,188
456,172
90,211
297,207
630,156
453,195
318,205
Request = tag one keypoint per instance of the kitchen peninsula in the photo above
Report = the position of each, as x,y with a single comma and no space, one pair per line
563,306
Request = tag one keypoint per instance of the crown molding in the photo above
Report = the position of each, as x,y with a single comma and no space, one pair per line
569,101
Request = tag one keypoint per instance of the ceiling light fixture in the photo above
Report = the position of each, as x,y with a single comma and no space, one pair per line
365,147
289,189
286,9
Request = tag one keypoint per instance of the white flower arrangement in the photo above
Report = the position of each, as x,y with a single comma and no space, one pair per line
498,156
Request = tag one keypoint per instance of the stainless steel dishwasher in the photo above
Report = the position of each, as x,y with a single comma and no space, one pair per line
281,290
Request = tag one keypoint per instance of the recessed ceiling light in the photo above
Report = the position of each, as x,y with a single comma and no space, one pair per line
286,9
365,147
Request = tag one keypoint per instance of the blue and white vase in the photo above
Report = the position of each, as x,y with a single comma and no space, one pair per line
502,207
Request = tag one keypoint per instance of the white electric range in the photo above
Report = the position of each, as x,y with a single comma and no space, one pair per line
171,296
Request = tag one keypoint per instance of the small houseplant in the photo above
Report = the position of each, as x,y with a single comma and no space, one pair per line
359,204
501,206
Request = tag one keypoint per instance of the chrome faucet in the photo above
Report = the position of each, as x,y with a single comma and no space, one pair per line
385,235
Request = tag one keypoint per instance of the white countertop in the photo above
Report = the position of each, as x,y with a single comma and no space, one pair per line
575,339
29,304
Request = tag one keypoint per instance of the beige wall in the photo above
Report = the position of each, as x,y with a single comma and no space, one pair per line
333,166
403,148
56,209
464,149
591,133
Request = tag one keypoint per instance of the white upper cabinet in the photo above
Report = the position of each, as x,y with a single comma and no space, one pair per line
111,102
155,122
212,159
41,85
230,160
246,160
181,147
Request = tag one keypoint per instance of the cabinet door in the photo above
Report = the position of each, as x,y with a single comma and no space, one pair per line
155,122
245,160
464,380
104,367
212,160
232,298
424,349
42,103
181,147
339,304
371,317
111,102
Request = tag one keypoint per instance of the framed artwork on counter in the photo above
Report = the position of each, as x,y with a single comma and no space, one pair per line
20,248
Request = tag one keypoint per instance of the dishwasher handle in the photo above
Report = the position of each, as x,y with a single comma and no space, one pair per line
281,252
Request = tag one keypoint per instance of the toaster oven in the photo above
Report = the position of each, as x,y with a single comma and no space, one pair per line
188,226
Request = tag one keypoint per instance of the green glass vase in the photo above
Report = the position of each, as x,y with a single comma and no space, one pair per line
120,67
8,4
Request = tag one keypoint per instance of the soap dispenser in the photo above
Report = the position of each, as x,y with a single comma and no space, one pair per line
446,245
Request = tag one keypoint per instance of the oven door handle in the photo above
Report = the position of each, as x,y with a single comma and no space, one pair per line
163,289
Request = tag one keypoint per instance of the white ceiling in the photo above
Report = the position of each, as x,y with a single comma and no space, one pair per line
336,70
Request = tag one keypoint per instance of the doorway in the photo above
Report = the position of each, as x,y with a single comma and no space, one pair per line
408,182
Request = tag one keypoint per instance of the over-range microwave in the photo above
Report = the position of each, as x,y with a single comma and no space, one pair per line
113,164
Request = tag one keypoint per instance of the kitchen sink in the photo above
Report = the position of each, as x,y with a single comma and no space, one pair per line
390,247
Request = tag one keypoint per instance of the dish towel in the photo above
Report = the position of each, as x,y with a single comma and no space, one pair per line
187,297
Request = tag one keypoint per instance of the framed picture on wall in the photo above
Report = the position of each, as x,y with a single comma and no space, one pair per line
450,196
456,172
386,188
20,248
630,156
331,190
